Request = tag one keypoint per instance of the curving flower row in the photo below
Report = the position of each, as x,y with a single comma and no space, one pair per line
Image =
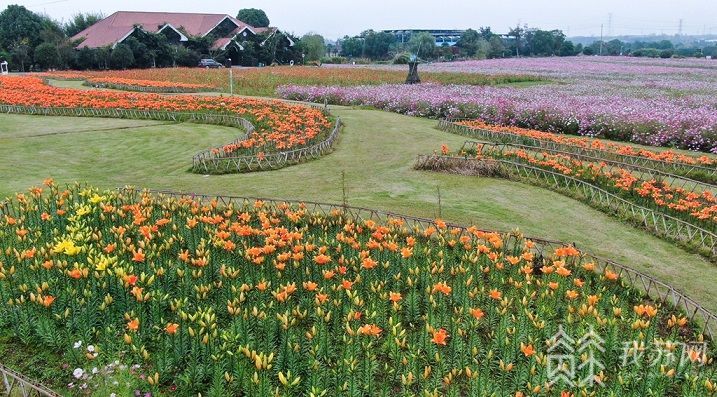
697,207
279,126
261,299
116,82
590,143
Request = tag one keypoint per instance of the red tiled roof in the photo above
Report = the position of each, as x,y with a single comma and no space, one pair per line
119,25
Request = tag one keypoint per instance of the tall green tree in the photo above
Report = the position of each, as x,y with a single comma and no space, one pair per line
18,25
422,44
377,45
47,56
545,42
517,45
486,33
352,47
51,31
122,57
497,47
567,49
313,46
86,58
468,43
254,17
80,22
21,55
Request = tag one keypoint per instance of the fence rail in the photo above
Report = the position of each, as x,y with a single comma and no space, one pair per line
650,286
17,384
213,160
159,115
661,224
220,161
688,170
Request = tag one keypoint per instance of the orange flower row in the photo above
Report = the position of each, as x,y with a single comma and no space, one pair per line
279,125
585,142
105,78
700,206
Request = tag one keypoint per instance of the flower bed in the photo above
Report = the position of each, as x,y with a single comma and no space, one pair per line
128,84
645,121
278,126
264,81
588,143
250,299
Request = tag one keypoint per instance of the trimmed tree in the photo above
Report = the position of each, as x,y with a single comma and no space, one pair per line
313,46
254,17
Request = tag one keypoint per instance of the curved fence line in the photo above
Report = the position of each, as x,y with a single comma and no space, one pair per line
218,161
160,115
650,286
670,166
659,223
212,160
612,165
87,81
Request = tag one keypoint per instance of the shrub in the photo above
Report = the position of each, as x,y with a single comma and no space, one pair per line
46,56
401,58
122,57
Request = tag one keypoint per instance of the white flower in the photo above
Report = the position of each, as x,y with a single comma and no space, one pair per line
113,395
95,371
91,348
77,373
77,344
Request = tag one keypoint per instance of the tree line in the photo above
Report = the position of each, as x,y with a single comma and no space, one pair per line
33,42
484,43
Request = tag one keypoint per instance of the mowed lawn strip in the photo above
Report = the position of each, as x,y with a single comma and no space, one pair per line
376,151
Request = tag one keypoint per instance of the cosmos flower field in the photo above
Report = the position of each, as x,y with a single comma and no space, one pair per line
653,102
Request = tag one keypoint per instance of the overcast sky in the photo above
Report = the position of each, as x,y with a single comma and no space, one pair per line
336,18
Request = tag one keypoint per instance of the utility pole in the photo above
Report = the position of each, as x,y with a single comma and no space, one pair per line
231,78
601,38
609,25
679,28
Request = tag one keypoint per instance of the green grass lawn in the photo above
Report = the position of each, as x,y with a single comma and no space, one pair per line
376,151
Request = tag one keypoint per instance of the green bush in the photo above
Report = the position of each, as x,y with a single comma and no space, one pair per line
47,56
401,58
122,57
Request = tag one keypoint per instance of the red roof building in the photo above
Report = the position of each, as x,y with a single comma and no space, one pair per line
122,24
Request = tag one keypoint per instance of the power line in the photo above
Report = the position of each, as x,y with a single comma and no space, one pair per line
48,3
